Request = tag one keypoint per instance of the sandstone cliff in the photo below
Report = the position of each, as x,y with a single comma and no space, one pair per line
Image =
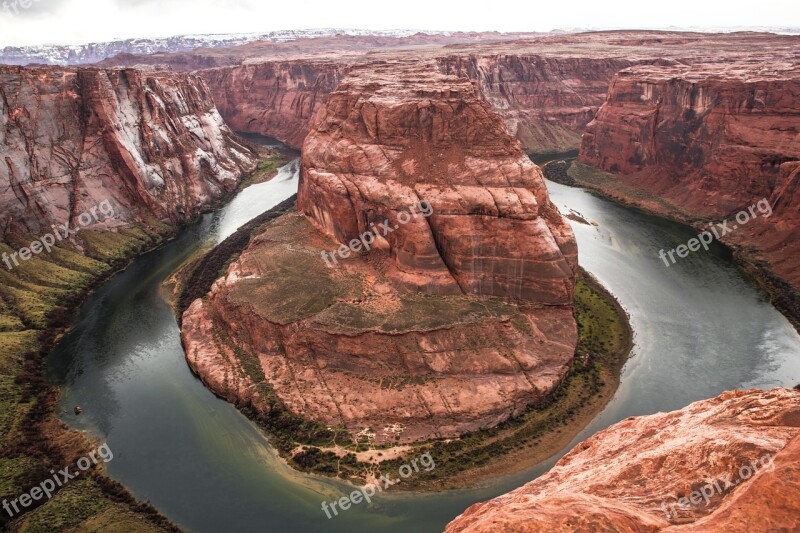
277,99
710,140
545,101
450,323
133,154
153,145
742,449
546,87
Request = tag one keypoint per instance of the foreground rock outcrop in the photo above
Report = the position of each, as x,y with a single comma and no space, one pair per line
153,145
710,140
456,319
741,449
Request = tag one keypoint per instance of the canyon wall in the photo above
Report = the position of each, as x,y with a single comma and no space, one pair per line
126,157
545,101
710,140
454,318
546,87
153,145
277,99
741,450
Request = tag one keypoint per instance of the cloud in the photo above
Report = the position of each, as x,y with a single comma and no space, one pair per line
31,9
82,21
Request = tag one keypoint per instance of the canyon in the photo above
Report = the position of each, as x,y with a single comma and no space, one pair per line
276,99
741,448
546,87
448,324
453,322
691,126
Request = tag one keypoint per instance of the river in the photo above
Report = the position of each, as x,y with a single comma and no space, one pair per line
700,329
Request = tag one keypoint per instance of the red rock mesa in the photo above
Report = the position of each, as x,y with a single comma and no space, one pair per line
450,323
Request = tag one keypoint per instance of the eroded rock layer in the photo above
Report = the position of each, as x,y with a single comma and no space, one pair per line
153,145
546,87
456,319
741,450
397,135
711,140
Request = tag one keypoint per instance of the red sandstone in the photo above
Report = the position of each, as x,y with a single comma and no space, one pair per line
622,478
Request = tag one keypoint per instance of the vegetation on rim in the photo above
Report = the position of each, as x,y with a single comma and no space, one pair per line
604,343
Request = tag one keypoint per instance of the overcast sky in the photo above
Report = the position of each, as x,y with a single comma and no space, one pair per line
82,21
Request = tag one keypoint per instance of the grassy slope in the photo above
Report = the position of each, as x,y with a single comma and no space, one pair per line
36,301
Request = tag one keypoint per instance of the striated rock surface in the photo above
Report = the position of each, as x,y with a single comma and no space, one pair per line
710,140
545,101
450,323
397,134
153,145
633,475
277,99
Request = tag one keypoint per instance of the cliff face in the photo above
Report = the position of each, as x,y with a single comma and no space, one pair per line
397,134
457,318
152,144
545,101
277,99
711,140
733,458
